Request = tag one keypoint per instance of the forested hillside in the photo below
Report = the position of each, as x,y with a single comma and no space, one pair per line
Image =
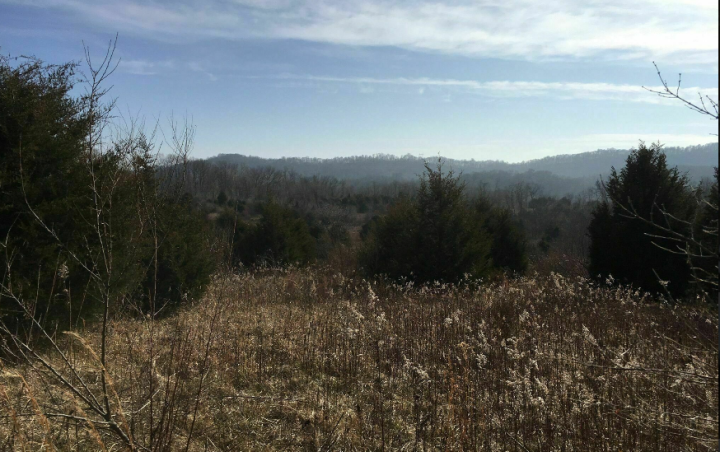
558,175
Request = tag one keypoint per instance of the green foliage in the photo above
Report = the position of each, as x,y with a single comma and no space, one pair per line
227,219
185,259
362,206
221,199
509,247
368,226
622,246
434,237
549,235
42,131
82,223
280,237
705,260
392,241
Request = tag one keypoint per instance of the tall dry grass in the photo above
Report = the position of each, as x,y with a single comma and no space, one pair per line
309,359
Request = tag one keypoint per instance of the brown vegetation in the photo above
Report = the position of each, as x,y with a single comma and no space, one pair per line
310,359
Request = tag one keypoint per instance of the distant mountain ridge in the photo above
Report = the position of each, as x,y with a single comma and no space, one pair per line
697,161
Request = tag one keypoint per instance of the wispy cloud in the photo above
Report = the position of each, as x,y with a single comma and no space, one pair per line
681,31
503,88
145,67
197,67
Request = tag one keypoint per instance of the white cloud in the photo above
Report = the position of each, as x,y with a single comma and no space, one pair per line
144,67
503,88
197,67
678,31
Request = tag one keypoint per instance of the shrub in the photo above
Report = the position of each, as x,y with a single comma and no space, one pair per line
391,242
88,224
42,133
185,257
705,250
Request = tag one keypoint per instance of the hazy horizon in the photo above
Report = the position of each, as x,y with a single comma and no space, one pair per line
443,156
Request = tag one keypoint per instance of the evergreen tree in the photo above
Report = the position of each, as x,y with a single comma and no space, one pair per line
705,250
625,247
431,238
452,245
42,133
509,247
86,226
280,237
391,242
221,198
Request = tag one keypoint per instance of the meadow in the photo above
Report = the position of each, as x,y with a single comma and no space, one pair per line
311,359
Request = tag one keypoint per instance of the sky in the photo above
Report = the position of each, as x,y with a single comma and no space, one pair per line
472,79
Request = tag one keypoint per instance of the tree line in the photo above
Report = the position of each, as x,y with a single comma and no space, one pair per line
569,170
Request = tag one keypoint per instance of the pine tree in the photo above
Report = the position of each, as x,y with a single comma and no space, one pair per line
42,132
280,237
508,250
705,248
86,226
628,248
431,238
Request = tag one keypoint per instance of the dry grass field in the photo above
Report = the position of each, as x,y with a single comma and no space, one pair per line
311,360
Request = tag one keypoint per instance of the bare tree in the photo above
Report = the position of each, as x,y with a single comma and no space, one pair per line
705,104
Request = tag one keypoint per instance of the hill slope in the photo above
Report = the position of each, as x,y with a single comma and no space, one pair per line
698,161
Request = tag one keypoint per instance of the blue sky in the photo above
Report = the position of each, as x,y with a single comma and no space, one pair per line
480,79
